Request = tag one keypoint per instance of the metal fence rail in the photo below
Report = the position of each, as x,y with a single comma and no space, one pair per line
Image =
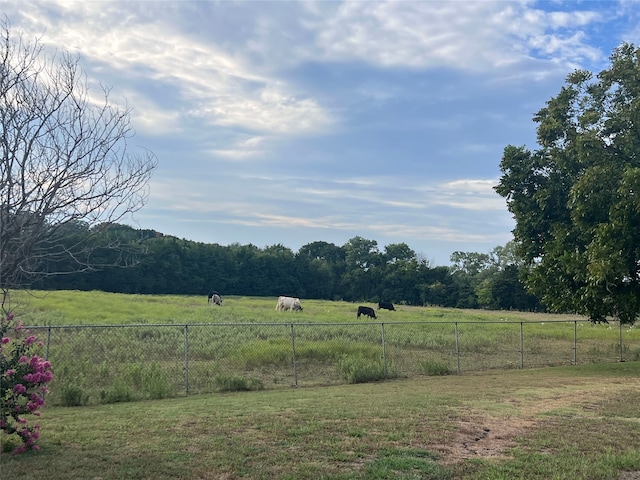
113,363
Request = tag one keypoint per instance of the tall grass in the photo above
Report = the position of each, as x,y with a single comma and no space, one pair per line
108,348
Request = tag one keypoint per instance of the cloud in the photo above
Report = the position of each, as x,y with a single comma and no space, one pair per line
468,194
241,149
475,36
199,79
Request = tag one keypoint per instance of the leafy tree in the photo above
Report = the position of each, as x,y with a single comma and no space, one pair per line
503,290
576,200
320,265
66,172
469,263
399,276
361,258
398,252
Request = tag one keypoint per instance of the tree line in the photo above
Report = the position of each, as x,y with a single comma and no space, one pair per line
359,270
68,176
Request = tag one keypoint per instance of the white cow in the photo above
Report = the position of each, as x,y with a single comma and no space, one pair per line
288,304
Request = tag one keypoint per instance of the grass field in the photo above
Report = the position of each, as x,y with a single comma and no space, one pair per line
109,348
493,420
577,422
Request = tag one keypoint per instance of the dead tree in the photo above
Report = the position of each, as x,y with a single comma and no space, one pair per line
66,169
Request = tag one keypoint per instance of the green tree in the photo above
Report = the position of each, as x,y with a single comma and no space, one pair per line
469,263
320,266
398,277
361,257
576,200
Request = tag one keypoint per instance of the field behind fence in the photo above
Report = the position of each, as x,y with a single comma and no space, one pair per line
108,348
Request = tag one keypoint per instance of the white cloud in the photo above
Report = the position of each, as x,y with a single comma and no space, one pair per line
242,149
206,83
464,35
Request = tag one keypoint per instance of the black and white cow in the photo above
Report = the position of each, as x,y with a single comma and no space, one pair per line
290,304
387,305
366,311
214,298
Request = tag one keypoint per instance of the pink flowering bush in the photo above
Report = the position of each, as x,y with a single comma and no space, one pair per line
23,380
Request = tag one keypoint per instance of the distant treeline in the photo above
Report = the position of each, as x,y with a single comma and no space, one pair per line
357,271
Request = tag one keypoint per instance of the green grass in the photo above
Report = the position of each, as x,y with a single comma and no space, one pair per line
563,422
109,348
91,308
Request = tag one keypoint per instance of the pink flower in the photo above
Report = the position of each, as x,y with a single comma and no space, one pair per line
5,340
19,388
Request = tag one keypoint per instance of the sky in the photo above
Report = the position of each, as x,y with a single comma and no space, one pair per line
295,122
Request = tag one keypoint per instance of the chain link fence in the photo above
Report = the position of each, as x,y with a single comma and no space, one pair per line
107,364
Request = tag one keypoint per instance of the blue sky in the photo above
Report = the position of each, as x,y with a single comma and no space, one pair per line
294,122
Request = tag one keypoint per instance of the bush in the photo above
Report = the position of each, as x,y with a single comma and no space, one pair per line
233,383
430,367
73,396
23,379
118,393
150,378
358,369
8,443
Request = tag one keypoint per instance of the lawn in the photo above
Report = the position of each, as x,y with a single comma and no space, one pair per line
578,422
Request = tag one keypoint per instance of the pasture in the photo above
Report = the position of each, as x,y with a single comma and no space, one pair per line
110,348
578,423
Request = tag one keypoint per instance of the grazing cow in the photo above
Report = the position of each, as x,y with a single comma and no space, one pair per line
214,298
288,304
366,311
387,305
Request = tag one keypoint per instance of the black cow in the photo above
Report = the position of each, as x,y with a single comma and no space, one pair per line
387,305
366,311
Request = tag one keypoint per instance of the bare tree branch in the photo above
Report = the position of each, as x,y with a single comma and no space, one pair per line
66,171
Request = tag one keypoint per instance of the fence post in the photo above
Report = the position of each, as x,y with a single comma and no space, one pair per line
186,359
521,344
384,355
46,355
293,351
457,350
620,343
575,342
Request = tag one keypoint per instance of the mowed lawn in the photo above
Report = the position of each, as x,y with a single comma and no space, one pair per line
568,422
578,422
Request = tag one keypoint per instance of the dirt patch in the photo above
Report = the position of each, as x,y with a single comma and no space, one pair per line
629,476
486,438
478,435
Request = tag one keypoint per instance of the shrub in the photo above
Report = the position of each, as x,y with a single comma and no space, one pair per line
358,369
231,383
73,396
8,443
430,367
23,379
118,393
152,379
